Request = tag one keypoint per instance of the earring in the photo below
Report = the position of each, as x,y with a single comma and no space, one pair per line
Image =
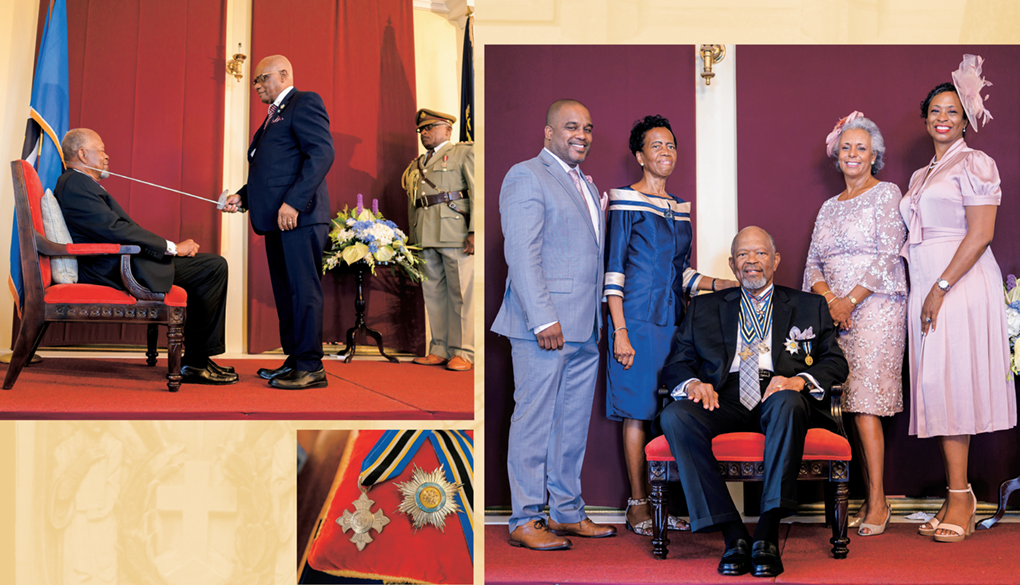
642,164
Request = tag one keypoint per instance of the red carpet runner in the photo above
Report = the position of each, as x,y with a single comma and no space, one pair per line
78,388
898,556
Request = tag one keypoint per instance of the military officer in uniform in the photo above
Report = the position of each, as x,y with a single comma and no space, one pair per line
440,185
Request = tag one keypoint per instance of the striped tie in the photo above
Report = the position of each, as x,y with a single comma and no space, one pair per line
272,112
750,387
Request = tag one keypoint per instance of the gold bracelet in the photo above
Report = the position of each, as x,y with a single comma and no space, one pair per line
834,299
853,301
828,292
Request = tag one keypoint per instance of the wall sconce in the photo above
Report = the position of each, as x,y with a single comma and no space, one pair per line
235,66
711,54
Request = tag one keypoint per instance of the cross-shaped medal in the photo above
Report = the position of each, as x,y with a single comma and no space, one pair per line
746,353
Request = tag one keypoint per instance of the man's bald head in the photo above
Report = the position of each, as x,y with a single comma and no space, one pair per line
272,75
554,110
84,150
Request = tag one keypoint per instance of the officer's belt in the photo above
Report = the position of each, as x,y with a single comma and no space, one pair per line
430,200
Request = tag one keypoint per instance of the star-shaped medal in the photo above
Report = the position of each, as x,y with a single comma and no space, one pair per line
428,498
362,520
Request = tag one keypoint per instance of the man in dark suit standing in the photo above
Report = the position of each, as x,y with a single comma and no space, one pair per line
94,217
288,159
758,359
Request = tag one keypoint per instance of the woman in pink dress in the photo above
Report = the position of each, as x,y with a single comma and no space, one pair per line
854,261
959,372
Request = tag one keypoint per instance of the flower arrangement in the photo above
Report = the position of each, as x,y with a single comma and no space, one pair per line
1013,323
365,235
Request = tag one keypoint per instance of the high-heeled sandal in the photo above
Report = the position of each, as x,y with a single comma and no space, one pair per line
855,521
934,522
876,529
959,532
644,528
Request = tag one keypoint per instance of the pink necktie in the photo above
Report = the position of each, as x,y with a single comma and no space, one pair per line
575,176
272,112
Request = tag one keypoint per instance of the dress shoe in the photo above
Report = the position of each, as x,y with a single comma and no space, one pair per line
193,375
459,364
535,535
269,374
222,369
585,528
736,560
429,360
765,561
300,380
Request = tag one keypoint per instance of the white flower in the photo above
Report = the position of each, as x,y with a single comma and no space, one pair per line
1012,321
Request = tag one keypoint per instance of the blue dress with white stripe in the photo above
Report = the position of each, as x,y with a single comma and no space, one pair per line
648,265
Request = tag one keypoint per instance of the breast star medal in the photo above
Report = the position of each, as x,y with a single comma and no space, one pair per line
362,521
428,498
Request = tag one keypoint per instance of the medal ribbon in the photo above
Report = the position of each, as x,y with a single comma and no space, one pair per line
455,451
755,326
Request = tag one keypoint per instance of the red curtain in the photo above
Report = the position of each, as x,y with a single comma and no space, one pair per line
359,56
149,78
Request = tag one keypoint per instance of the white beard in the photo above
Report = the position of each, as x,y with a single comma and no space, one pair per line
753,283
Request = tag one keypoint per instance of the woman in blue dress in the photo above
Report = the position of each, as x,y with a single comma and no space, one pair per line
648,282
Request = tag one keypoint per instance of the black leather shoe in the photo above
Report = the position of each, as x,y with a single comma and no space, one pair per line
193,375
736,560
765,561
268,374
300,380
221,369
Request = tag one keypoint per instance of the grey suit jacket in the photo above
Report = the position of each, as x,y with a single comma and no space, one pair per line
552,251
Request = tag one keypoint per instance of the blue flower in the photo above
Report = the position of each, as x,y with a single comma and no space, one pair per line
373,248
1015,305
389,224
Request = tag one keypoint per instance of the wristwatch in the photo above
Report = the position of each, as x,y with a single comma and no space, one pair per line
943,284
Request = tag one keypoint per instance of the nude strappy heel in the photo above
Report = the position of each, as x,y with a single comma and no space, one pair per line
934,522
959,532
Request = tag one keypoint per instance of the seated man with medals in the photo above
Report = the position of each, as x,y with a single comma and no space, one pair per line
754,359
424,481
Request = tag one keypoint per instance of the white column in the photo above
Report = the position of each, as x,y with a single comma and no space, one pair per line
234,233
716,128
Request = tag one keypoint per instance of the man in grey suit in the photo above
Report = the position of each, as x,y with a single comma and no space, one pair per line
554,236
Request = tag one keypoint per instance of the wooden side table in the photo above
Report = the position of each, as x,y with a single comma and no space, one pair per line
347,353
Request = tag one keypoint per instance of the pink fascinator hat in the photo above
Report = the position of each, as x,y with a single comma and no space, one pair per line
969,83
833,137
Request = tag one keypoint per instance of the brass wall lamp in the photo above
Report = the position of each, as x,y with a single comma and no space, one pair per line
711,54
235,66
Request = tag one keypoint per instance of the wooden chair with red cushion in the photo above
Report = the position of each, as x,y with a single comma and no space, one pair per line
46,302
740,456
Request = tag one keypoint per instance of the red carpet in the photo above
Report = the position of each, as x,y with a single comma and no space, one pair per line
898,556
77,388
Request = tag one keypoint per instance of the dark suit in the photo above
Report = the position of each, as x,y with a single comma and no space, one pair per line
288,159
704,348
94,217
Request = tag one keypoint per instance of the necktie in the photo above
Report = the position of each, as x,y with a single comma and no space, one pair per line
755,326
575,176
272,112
428,157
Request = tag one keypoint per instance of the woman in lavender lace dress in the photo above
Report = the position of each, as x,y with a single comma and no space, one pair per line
854,262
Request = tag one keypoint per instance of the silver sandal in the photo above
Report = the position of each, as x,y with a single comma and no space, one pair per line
644,528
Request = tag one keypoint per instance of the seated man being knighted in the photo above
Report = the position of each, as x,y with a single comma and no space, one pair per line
94,217
755,359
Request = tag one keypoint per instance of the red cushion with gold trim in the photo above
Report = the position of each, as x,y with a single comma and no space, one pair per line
819,444
87,293
398,553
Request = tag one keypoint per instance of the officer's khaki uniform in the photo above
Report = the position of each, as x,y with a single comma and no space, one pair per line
441,231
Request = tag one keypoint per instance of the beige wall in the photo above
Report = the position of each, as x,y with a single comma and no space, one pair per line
18,20
438,43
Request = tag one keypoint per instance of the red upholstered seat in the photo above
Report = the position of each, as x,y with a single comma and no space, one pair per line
177,297
819,444
87,293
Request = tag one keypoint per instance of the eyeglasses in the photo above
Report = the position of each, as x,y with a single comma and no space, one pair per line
261,78
430,127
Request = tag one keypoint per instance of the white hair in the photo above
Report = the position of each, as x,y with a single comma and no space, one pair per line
877,142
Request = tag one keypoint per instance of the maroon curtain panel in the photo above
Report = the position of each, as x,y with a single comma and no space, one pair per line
149,78
359,56
619,85
788,100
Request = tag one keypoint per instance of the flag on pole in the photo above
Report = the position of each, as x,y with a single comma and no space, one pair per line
467,85
47,121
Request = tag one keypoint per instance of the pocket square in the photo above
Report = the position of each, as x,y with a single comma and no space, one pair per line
796,333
